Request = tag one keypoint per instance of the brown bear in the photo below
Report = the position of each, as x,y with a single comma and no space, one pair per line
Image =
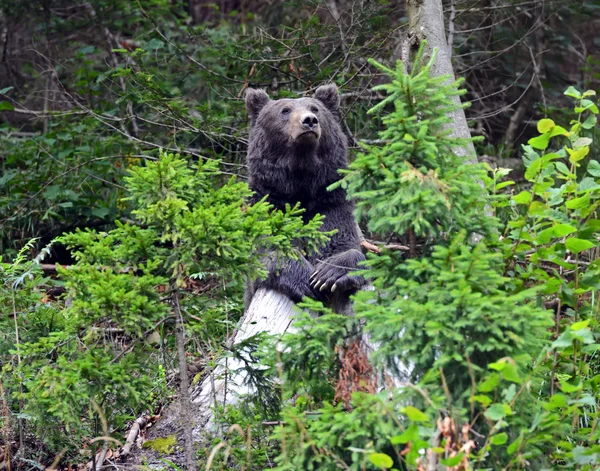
295,150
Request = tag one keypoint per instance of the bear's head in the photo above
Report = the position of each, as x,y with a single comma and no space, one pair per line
301,138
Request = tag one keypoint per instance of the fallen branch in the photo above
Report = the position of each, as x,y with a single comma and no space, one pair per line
138,425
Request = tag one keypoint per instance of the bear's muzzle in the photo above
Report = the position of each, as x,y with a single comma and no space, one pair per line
304,127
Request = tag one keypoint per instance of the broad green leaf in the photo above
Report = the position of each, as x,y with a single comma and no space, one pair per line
537,207
562,168
573,92
501,185
570,388
558,131
544,125
415,414
561,230
511,374
545,236
578,245
485,400
499,439
582,142
590,122
580,202
587,184
522,198
580,325
533,169
577,155
594,168
410,434
540,142
514,446
6,106
497,411
589,105
556,401
489,384
453,461
381,460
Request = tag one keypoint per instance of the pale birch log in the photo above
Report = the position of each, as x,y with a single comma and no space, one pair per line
269,312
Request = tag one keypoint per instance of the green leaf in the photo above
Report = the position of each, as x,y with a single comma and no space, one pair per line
594,168
577,203
582,142
580,325
499,439
489,384
495,412
562,168
589,105
540,142
556,401
410,434
578,154
578,245
590,122
533,169
501,185
522,198
485,400
544,125
415,414
561,230
570,388
100,212
511,374
6,106
514,446
5,90
381,460
452,462
558,131
537,207
573,92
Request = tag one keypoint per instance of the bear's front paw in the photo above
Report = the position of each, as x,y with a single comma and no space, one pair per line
332,275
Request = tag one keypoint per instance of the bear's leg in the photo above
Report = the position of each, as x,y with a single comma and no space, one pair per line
288,277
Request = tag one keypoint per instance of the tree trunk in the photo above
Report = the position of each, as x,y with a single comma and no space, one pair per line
426,22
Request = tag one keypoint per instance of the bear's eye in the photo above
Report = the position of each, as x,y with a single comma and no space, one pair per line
286,111
314,109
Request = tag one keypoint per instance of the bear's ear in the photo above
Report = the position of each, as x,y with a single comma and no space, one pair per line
328,95
255,102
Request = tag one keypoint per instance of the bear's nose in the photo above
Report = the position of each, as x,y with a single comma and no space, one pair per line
309,121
